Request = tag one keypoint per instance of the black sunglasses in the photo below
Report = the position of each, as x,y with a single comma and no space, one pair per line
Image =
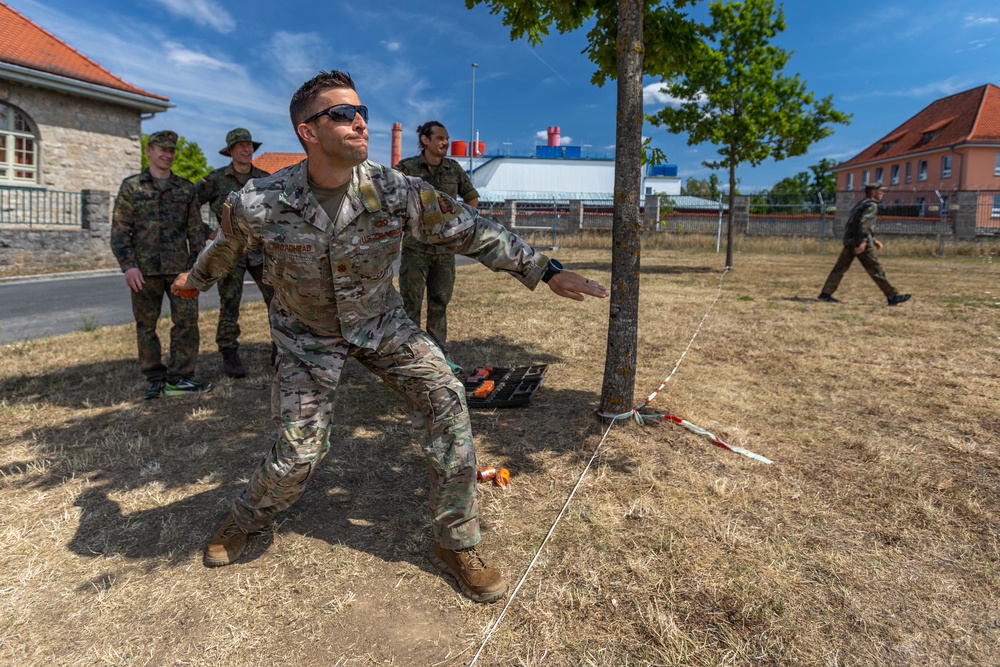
343,113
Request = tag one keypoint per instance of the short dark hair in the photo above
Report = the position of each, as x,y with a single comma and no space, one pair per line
426,130
301,106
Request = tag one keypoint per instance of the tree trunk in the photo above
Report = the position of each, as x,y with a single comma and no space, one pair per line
623,319
729,230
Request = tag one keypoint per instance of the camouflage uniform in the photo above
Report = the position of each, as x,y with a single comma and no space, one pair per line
860,229
423,264
334,298
160,232
214,189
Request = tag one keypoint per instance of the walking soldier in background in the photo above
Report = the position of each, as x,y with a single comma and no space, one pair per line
860,242
156,233
424,264
213,189
331,228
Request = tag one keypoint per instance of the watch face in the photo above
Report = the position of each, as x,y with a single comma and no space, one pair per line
556,264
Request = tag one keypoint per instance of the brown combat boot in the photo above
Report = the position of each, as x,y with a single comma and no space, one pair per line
226,545
478,581
232,366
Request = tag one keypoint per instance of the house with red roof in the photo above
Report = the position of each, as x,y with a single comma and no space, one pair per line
66,123
272,162
953,144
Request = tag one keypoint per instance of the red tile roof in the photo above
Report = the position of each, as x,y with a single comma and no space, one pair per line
272,162
972,116
26,44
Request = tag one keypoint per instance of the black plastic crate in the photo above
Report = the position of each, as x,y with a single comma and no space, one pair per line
512,386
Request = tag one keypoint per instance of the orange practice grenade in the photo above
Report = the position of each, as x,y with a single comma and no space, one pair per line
500,477
484,390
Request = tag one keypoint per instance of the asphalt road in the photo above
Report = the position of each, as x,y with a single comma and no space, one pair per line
38,308
42,306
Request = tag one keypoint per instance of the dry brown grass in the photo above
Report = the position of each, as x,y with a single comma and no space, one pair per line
873,540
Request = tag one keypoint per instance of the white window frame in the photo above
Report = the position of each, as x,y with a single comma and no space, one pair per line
922,170
894,177
879,173
850,181
995,213
996,169
864,178
945,166
17,137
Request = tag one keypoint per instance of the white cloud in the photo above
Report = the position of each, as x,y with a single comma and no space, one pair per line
202,12
972,21
296,54
392,47
653,94
184,57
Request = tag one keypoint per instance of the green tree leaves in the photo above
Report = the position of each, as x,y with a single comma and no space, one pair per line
734,95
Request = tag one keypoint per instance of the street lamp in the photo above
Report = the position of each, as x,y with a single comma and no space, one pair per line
472,119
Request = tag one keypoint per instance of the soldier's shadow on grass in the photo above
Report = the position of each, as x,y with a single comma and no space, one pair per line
141,459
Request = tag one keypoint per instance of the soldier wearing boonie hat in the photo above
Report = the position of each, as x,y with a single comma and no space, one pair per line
860,242
213,189
237,135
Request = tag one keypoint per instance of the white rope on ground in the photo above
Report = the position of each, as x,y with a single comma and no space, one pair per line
524,577
635,411
614,420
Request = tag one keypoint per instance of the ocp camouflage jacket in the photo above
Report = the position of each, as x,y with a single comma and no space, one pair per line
335,277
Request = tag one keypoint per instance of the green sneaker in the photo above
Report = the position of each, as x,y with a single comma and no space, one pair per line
186,386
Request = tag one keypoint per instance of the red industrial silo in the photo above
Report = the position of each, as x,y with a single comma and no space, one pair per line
458,148
553,135
397,144
480,149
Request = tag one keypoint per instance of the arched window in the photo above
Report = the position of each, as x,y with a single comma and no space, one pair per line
18,147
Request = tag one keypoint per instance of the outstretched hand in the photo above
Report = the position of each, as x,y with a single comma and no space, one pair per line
182,287
574,286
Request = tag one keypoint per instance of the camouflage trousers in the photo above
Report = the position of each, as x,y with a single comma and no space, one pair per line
868,260
418,270
302,395
230,295
184,339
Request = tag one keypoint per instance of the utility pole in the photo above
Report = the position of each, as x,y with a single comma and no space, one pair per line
472,119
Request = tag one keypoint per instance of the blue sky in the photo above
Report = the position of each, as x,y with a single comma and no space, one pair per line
226,64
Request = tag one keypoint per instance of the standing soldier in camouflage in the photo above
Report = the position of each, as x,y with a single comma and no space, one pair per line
156,233
214,189
331,228
860,242
425,264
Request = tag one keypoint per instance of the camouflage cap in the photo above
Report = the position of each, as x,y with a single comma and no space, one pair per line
164,138
237,135
874,186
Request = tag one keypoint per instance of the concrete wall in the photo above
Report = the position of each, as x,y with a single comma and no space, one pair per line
87,246
83,144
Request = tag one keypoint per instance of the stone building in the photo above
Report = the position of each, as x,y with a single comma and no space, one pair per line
66,123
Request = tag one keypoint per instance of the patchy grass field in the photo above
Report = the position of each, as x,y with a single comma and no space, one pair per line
874,539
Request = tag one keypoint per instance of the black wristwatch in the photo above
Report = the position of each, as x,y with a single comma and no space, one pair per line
551,269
